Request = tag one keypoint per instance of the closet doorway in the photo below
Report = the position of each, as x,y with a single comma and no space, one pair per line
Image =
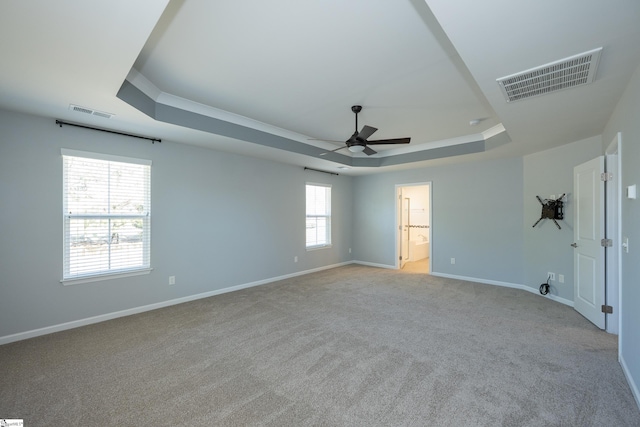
413,231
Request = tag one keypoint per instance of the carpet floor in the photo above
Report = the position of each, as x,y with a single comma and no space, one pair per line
350,346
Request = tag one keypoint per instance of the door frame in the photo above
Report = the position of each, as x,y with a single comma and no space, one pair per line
398,232
613,211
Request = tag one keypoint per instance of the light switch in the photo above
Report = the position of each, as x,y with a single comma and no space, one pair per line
631,192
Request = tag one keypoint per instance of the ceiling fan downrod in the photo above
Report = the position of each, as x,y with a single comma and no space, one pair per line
356,109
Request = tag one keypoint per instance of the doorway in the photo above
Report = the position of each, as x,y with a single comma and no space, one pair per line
413,232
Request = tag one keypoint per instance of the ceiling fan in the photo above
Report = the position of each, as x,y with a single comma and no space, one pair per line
358,142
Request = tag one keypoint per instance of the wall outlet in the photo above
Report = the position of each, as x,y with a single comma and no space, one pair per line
551,276
453,260
349,250
561,278
295,259
172,280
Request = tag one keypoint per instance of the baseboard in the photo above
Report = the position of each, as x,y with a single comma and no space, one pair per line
136,310
632,385
505,285
372,264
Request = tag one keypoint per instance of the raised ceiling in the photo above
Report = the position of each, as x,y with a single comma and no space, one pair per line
270,79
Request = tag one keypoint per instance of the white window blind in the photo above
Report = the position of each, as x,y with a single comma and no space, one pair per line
318,215
106,214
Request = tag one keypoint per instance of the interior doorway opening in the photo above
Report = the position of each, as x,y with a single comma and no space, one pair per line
413,233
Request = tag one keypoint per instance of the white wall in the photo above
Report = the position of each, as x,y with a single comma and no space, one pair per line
218,220
547,249
626,119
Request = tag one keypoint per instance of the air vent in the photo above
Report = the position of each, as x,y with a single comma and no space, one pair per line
566,73
86,110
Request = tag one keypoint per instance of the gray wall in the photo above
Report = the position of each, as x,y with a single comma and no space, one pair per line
626,119
218,220
477,218
547,249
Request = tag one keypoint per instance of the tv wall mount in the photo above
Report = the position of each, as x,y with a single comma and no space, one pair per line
551,209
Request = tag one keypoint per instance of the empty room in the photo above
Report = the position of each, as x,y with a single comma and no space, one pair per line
380,213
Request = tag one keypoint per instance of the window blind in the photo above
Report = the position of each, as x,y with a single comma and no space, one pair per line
318,215
106,214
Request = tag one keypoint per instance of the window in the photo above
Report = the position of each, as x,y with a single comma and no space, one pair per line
106,215
318,216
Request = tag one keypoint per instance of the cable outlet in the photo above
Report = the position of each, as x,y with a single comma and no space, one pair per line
551,276
172,280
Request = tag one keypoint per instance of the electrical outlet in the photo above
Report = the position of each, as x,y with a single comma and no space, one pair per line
561,278
551,276
453,260
172,280
349,250
295,259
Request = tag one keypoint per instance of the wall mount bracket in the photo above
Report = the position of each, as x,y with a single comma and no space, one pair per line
551,209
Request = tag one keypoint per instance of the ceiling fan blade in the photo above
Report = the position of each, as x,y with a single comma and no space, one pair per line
366,132
368,151
325,140
390,141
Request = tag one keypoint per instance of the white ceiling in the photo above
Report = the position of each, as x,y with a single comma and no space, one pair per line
293,69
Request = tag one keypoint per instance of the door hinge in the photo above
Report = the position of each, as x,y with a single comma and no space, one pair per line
607,243
607,309
606,176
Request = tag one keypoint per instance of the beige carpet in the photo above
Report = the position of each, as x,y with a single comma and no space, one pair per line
352,346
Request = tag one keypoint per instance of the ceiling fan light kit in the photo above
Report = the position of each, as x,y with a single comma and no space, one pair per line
358,142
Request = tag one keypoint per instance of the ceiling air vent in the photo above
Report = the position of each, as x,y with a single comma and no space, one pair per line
86,110
566,73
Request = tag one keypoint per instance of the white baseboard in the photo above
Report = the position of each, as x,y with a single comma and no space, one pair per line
136,310
372,264
632,384
506,285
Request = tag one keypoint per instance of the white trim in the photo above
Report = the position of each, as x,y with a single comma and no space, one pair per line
105,157
505,285
632,385
318,247
373,264
141,309
615,147
104,276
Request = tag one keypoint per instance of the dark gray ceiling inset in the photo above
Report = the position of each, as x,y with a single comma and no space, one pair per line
135,97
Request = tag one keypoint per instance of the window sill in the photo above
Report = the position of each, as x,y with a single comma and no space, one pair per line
315,248
106,276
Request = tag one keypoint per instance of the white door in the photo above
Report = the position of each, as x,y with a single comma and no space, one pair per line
588,257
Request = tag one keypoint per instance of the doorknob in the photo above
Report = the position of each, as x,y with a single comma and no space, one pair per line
574,245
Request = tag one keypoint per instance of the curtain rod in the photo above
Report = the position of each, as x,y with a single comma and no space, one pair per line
153,140
318,170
